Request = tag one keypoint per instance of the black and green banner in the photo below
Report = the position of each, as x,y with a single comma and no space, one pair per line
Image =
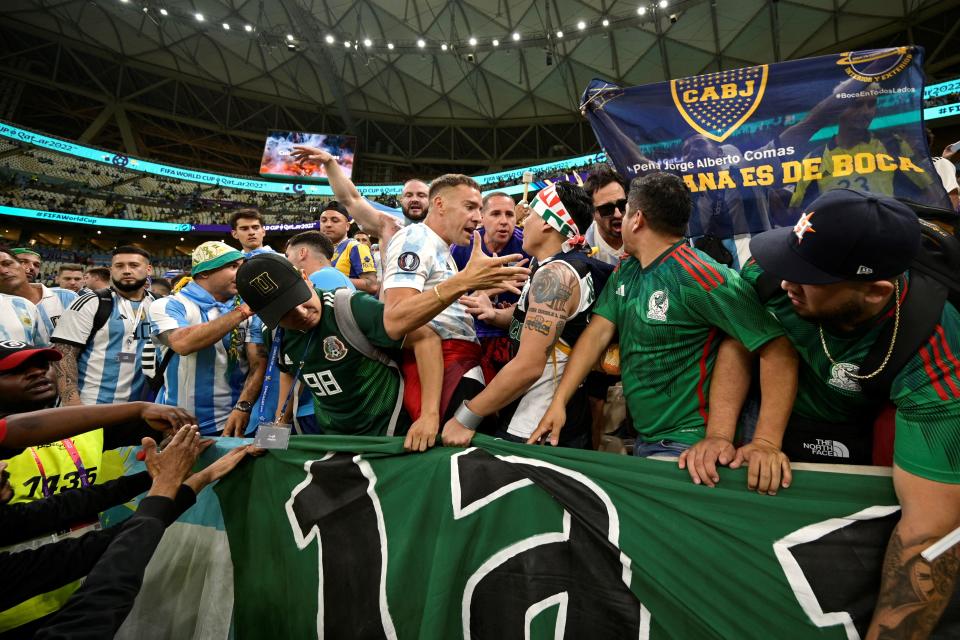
353,538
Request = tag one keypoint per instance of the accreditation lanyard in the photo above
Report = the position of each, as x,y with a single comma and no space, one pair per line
296,375
74,455
127,316
268,376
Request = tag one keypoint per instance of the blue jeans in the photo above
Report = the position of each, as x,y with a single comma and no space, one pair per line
643,449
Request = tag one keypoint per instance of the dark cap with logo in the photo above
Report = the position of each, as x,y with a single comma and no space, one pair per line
845,235
14,353
271,286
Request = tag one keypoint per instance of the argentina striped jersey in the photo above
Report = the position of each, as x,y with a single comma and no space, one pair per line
208,382
109,366
20,321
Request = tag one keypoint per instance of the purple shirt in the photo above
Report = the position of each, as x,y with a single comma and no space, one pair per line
461,255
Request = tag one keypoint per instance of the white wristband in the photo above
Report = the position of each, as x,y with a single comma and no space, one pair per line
467,418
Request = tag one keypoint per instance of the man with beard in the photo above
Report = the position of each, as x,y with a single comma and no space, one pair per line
845,270
15,281
102,336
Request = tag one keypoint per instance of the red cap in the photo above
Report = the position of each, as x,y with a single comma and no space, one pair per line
14,353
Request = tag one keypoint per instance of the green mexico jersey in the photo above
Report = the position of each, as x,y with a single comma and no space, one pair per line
926,392
353,395
672,317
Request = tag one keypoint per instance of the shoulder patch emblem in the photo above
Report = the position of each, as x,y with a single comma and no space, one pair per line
657,306
408,261
333,348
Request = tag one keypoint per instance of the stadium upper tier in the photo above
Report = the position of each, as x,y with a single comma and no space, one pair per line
44,173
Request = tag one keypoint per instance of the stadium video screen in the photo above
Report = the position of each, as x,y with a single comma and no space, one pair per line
278,159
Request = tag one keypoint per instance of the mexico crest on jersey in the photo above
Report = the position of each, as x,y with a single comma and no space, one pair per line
841,378
333,348
657,306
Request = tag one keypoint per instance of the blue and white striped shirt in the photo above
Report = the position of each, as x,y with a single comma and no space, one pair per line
53,302
206,383
109,367
20,321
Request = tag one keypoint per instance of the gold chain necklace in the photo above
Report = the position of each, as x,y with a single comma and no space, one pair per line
893,340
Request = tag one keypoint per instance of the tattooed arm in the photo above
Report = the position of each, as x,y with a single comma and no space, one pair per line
238,420
66,373
914,592
553,297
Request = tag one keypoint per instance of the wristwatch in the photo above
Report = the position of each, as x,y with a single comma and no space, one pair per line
244,406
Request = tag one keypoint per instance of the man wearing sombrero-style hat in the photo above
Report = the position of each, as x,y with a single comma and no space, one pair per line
211,352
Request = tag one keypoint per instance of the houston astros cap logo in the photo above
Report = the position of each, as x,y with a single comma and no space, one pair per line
716,104
803,226
264,283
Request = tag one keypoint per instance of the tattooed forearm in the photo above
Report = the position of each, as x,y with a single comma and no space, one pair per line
913,592
553,288
556,337
65,370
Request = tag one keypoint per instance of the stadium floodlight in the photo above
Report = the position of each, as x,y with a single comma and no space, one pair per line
605,22
472,41
581,25
663,4
164,12
248,28
516,36
124,1
495,42
559,34
346,44
330,39
290,37
199,17
226,26
641,11
390,46
367,42
443,46
421,43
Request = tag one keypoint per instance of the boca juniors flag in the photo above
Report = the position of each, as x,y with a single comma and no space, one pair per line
757,145
348,537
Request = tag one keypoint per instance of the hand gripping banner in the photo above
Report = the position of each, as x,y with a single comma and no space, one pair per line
347,537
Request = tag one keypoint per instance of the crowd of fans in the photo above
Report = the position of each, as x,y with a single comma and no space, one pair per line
524,321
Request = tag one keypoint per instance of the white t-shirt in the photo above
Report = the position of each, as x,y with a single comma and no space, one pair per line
947,173
418,258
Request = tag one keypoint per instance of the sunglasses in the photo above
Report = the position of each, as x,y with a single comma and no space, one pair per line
608,209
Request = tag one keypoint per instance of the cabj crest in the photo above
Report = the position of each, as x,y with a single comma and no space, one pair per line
716,104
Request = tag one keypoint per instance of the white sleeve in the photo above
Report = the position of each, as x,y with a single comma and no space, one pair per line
40,334
77,320
409,261
167,314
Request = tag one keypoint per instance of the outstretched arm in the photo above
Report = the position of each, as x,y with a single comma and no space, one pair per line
406,308
590,346
50,425
552,299
377,222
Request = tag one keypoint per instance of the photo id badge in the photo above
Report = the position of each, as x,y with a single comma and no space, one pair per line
123,356
272,435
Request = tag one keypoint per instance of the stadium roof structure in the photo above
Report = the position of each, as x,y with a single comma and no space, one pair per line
488,83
